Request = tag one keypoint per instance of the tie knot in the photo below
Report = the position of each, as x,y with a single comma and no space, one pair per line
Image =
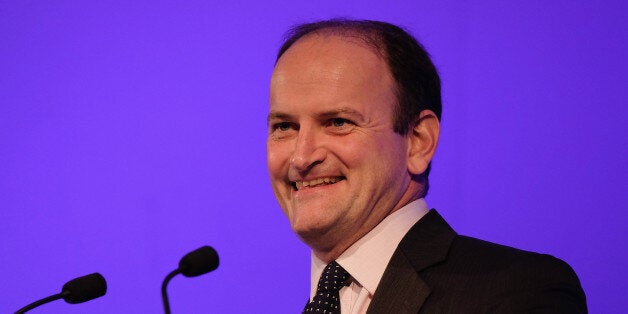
333,277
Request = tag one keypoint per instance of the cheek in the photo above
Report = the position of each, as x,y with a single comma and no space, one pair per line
373,151
277,158
354,156
384,157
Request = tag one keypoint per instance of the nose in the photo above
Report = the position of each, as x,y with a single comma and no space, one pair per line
308,151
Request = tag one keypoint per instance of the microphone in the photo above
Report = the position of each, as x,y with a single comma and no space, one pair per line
77,290
196,263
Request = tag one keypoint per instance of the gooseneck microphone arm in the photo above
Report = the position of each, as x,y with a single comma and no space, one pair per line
195,263
41,302
164,290
77,290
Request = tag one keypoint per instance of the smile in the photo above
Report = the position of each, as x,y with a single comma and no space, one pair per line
298,185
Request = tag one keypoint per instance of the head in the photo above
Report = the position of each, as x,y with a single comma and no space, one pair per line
353,125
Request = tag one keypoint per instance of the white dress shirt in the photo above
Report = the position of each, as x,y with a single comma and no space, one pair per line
366,259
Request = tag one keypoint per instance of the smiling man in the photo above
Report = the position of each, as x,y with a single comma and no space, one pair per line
353,125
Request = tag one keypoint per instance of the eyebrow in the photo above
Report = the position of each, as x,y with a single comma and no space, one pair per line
342,110
325,114
277,115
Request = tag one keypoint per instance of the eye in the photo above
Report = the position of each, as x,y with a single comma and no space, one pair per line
282,126
338,122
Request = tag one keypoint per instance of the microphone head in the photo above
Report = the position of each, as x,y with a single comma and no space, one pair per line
199,262
84,288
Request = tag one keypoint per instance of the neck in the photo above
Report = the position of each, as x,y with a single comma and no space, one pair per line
327,253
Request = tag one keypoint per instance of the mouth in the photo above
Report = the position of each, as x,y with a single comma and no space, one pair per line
299,185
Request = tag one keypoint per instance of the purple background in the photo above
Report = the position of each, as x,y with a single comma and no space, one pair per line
134,132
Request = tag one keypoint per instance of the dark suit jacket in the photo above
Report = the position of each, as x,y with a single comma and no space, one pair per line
434,270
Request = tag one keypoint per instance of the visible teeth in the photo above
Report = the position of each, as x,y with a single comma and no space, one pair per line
320,181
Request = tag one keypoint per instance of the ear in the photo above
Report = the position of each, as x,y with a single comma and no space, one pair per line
422,141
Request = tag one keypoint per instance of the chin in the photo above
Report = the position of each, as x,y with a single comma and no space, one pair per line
317,243
319,238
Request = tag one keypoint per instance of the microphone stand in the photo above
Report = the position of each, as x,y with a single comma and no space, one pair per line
195,263
42,301
164,292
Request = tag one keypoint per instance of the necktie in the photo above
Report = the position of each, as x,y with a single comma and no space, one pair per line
327,298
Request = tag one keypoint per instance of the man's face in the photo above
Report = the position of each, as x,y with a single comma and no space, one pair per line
336,166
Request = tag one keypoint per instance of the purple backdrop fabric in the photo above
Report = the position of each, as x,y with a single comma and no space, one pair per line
134,132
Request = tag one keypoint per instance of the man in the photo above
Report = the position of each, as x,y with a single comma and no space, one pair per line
353,125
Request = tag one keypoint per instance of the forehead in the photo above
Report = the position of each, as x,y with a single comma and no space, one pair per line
333,66
326,50
341,38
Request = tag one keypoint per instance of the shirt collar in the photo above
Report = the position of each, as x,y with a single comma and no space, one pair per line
367,258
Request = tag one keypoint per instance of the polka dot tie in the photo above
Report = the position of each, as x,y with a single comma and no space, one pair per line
327,298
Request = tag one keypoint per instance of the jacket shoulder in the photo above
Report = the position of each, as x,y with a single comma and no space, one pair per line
506,279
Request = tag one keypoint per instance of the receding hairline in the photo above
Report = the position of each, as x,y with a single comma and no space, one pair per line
370,38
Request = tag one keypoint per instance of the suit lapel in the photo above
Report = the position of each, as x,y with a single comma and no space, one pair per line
402,290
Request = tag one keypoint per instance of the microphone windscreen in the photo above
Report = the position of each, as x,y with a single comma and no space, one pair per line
199,261
84,288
